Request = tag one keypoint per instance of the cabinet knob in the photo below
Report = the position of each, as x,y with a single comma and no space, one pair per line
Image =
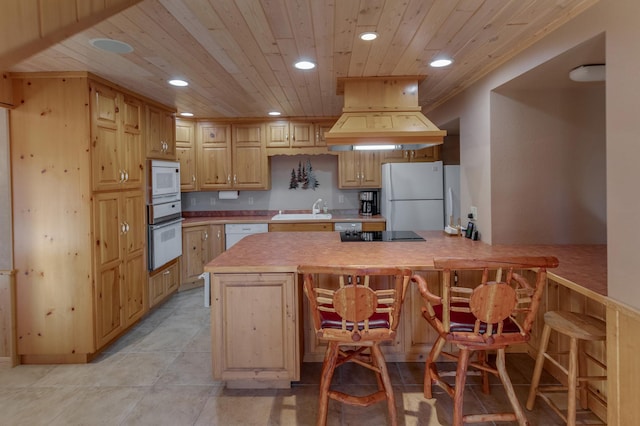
206,235
193,178
121,175
229,178
235,179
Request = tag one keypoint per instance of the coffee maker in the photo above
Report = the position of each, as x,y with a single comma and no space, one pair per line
369,203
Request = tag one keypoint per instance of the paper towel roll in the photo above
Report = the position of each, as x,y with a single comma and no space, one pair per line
228,195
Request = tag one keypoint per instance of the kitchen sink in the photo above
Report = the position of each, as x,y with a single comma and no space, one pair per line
301,216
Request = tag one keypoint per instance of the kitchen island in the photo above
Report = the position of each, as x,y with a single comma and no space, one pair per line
257,322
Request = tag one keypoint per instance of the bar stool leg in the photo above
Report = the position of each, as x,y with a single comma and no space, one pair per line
572,379
537,372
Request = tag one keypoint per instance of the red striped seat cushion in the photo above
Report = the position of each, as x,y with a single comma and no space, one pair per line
464,322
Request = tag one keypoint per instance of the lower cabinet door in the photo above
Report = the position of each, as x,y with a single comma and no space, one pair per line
254,329
109,314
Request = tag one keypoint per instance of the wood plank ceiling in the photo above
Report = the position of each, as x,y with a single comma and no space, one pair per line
238,55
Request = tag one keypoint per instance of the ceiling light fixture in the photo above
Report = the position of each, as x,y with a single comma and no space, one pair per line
439,63
111,45
186,114
368,36
305,65
274,113
587,73
178,83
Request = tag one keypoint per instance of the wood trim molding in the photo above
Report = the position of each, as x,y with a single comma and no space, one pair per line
8,347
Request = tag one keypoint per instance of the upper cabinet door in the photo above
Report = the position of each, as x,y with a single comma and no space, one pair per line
277,134
213,142
301,134
359,169
321,130
132,159
250,163
161,143
117,153
186,154
289,134
105,128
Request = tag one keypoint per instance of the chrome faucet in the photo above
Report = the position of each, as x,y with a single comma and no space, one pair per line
315,209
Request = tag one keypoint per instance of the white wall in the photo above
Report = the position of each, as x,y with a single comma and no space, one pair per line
620,20
280,197
548,175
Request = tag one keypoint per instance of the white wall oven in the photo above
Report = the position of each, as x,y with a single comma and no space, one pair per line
164,213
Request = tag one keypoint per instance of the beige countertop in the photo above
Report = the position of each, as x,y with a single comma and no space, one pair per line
583,268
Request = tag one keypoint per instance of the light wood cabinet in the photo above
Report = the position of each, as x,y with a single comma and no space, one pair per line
321,129
249,158
431,153
374,226
213,145
301,227
81,256
260,341
296,133
164,282
232,156
161,143
120,234
200,244
186,154
359,169
290,134
116,139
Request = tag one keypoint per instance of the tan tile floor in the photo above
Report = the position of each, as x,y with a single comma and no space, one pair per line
159,373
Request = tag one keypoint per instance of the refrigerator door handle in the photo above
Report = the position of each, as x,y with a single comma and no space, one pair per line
389,182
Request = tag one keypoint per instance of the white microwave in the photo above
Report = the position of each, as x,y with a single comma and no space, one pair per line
164,181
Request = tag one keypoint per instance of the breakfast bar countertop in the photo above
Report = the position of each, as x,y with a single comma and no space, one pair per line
583,268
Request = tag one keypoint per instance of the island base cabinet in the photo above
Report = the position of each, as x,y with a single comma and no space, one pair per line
255,340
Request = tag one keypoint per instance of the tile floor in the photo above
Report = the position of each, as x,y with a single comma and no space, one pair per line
159,373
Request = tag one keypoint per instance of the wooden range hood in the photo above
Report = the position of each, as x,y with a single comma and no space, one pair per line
382,111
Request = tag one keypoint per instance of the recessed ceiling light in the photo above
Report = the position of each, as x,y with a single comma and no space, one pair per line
305,65
110,45
368,36
179,83
438,63
274,113
186,114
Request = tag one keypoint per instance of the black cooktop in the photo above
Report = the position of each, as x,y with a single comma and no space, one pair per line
387,236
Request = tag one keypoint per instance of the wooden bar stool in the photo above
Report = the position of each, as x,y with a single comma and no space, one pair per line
495,315
579,328
354,320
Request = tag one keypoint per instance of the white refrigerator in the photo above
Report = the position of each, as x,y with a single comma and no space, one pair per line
412,196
